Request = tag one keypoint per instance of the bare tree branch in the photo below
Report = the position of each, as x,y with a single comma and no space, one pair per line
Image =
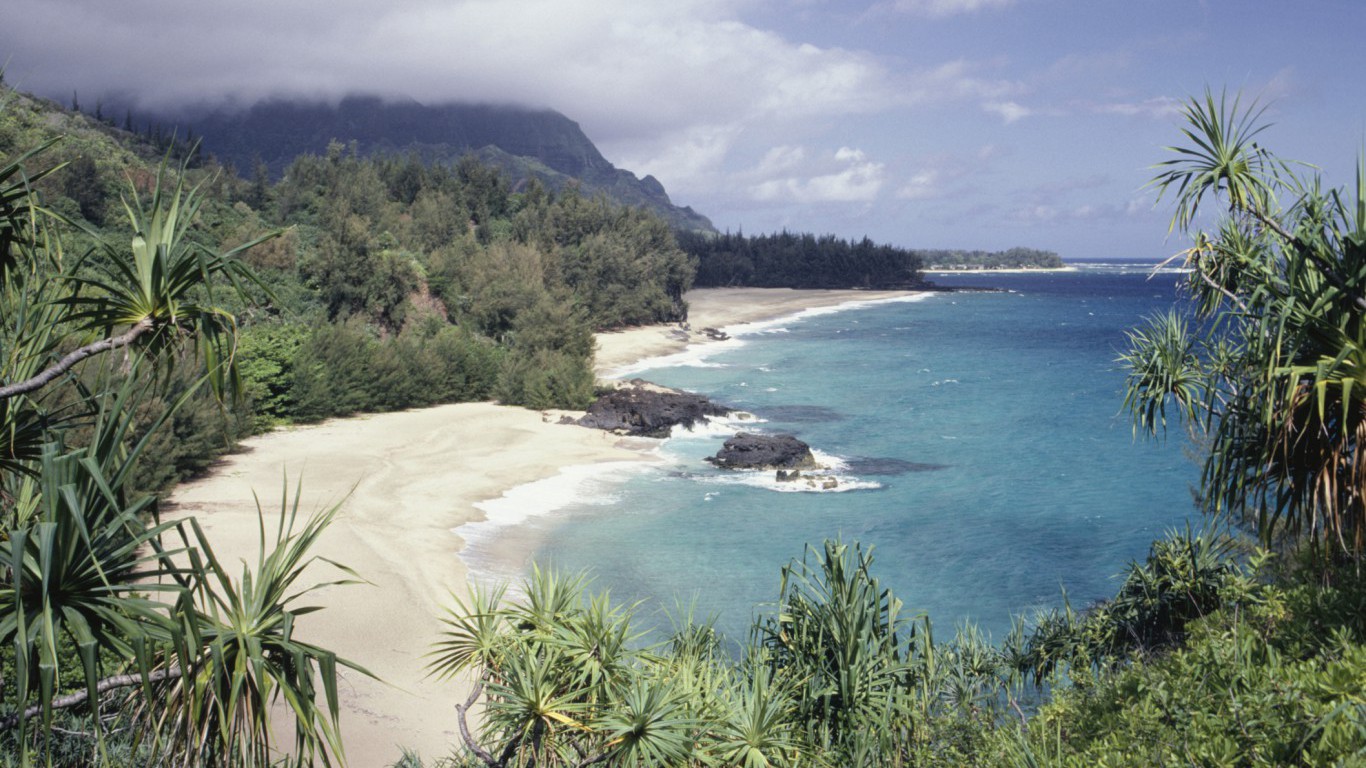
75,356
80,697
460,711
594,761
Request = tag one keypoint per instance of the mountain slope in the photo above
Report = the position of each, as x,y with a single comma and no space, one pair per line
523,143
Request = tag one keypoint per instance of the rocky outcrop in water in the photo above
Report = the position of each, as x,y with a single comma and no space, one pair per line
643,409
814,482
750,451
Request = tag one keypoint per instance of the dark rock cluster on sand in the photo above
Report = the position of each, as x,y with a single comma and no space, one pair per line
642,409
751,451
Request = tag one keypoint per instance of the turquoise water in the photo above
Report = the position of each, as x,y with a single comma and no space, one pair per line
977,438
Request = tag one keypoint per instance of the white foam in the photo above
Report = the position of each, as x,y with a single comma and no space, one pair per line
585,484
716,426
695,356
829,461
779,324
1134,268
810,481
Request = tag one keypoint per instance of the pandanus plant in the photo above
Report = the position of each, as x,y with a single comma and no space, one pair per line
1273,371
563,680
156,623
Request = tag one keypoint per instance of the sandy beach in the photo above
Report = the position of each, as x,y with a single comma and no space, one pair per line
406,481
717,308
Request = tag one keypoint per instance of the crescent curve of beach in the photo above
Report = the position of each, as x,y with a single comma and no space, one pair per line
406,481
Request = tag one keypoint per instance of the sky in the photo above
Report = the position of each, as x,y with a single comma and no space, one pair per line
977,124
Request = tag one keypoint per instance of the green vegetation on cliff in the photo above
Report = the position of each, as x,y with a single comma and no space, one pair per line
523,144
394,283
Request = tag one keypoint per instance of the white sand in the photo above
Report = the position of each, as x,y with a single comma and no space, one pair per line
717,308
405,480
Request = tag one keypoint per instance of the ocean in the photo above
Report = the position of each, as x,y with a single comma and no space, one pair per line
977,442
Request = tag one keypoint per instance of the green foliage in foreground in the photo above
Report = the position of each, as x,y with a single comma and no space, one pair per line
110,616
1277,676
837,677
1199,659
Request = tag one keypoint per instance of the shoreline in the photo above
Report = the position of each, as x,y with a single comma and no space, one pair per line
408,481
998,270
722,308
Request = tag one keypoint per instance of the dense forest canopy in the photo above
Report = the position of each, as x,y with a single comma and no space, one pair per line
788,260
792,260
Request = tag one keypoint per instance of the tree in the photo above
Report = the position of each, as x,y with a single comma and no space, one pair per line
565,684
199,667
1273,367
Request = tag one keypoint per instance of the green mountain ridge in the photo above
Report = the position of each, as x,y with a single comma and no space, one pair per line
522,143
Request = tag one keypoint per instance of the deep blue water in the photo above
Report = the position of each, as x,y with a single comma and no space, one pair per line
985,457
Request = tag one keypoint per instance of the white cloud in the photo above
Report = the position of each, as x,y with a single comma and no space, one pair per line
846,176
1082,213
668,89
988,152
924,185
938,9
686,91
1283,84
688,159
955,81
622,68
947,175
780,160
732,140
1008,110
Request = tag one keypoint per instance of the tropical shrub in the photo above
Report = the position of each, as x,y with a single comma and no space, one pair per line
100,601
837,677
1273,372
1251,684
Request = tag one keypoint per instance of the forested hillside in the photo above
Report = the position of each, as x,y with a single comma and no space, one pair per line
390,283
524,144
